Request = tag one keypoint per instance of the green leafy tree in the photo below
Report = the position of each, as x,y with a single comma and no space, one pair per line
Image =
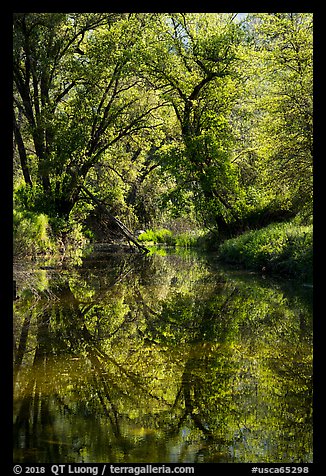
163,115
43,57
77,88
283,119
194,67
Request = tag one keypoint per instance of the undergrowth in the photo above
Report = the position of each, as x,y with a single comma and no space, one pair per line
168,238
281,248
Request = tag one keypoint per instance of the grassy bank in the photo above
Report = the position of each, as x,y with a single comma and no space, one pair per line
280,248
34,239
168,238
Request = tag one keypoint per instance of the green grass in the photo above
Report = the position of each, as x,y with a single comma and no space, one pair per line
157,236
281,248
167,237
31,234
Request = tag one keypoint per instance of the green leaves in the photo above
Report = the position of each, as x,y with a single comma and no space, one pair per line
285,130
284,249
157,110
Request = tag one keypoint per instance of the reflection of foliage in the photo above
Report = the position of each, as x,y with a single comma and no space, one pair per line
162,359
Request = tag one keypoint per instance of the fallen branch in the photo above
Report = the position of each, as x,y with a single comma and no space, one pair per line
123,229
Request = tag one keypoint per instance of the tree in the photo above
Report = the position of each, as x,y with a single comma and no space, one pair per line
194,67
43,46
165,110
77,89
283,45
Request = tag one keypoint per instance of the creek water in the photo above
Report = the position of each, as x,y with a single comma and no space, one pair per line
161,358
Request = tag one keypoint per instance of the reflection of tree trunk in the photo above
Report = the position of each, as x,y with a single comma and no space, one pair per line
189,386
22,344
113,416
147,309
95,352
93,355
22,423
34,410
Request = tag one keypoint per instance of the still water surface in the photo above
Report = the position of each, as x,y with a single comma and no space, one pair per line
161,359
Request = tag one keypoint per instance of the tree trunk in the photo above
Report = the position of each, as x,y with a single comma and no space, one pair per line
22,153
123,229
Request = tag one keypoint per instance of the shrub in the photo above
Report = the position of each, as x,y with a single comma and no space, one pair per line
282,248
31,235
186,240
73,241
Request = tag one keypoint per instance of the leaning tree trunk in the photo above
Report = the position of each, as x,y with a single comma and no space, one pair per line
122,228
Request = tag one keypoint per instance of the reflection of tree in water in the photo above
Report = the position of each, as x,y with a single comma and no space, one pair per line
34,416
137,362
62,330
